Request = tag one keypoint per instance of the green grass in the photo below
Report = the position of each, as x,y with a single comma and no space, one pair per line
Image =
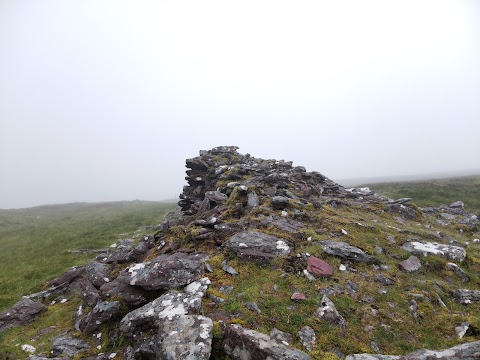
34,242
435,192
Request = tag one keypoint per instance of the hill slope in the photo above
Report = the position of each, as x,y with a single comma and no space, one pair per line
275,250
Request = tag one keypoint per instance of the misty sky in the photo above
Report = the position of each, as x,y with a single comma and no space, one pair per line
104,100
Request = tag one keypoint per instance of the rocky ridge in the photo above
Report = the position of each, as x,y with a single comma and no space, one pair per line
267,260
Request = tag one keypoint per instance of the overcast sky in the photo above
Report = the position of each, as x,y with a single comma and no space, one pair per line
104,100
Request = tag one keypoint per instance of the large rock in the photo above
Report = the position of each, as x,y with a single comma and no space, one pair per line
69,346
166,271
23,312
424,248
345,251
166,306
100,314
258,246
244,344
185,337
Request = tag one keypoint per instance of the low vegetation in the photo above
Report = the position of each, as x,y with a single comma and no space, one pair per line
435,192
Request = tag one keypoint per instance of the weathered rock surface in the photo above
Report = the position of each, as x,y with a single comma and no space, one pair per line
258,246
69,346
102,312
185,337
307,337
22,313
166,306
166,271
345,251
464,296
98,274
244,344
458,271
410,265
424,248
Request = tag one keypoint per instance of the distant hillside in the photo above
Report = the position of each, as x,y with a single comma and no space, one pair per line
435,192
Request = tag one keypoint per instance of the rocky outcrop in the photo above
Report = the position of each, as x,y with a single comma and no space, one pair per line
271,236
244,344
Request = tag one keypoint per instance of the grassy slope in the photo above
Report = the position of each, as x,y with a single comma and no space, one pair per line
34,242
435,192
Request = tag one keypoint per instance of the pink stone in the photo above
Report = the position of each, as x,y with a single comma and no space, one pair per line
319,267
298,296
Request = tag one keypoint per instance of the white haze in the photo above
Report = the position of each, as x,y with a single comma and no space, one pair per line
104,100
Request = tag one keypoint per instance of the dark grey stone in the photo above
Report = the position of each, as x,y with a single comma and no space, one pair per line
102,312
22,313
69,346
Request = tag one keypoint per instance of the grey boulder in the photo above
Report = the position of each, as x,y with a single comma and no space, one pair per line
166,271
98,273
346,251
100,314
69,346
243,344
166,306
424,248
185,337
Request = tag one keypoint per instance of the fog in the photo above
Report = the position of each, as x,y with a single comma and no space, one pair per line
104,100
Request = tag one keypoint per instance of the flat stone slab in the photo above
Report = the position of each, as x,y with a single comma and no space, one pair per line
425,248
346,251
165,271
258,246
